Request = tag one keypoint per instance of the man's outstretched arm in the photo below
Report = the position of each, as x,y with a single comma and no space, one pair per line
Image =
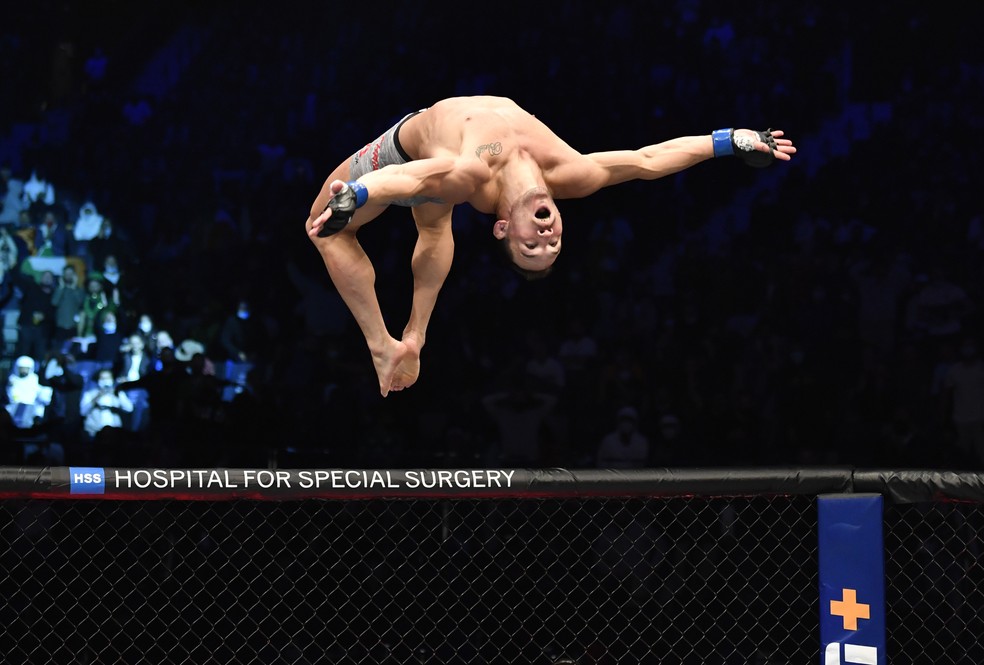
601,169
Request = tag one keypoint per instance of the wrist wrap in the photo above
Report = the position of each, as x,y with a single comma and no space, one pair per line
723,145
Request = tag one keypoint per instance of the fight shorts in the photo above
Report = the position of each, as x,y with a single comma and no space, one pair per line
382,152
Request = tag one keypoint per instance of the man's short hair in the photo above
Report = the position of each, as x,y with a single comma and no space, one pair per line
528,275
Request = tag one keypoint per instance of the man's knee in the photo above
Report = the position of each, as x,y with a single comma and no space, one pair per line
336,248
322,240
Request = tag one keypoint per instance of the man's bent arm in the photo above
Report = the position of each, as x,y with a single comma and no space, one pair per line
451,180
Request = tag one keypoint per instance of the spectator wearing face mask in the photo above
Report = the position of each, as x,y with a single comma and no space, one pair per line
109,339
161,344
113,282
146,327
237,336
147,330
238,339
102,405
134,362
625,447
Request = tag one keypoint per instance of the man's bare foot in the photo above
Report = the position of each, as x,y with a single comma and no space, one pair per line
387,360
406,374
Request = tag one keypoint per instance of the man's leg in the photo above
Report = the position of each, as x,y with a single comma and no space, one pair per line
354,277
432,256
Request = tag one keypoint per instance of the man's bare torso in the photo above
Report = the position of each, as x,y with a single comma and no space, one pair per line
493,130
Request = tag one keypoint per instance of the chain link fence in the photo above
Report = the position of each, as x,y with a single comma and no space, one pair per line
477,567
382,581
934,597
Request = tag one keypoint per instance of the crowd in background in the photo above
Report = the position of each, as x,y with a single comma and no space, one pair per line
165,307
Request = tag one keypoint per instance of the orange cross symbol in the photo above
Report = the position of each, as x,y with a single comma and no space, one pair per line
850,609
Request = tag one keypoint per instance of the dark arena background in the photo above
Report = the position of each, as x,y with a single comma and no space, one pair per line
157,164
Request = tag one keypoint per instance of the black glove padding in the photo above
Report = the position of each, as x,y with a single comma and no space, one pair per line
342,208
751,156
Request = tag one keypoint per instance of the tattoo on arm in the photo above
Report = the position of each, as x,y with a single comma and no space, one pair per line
492,148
